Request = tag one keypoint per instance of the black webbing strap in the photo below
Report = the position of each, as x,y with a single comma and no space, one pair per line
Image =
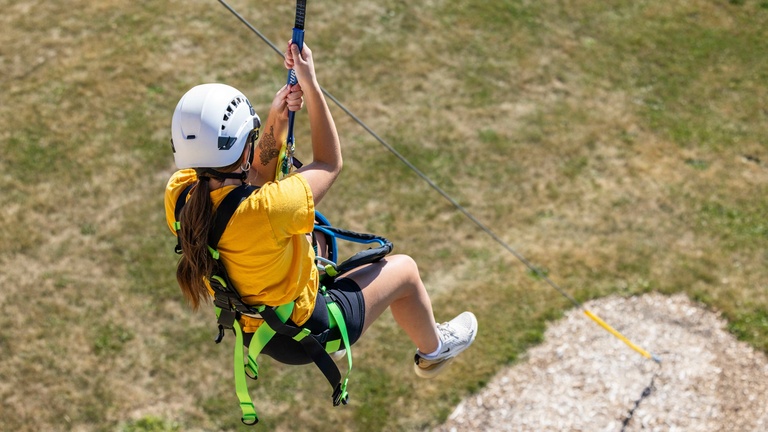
312,348
180,201
225,211
228,300
226,296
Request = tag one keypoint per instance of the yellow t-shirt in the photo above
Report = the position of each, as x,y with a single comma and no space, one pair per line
265,248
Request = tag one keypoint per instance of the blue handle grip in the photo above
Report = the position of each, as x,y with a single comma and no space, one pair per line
298,39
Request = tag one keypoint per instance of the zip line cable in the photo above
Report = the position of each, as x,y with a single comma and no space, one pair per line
456,204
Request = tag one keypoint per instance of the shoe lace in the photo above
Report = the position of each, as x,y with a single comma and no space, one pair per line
447,333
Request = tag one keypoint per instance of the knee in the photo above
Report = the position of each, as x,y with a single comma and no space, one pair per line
403,262
405,265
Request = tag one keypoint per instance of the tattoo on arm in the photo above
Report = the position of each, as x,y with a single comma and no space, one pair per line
269,148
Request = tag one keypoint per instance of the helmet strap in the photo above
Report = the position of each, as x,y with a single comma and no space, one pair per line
251,153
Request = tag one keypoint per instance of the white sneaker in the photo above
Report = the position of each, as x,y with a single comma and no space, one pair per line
456,335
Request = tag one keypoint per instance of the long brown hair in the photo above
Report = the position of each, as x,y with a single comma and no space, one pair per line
196,263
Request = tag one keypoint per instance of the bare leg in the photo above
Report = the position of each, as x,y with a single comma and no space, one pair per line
395,282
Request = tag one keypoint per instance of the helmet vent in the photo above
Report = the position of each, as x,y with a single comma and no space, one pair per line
233,104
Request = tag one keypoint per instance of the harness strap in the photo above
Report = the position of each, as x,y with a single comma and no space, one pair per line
249,416
228,303
312,348
241,370
264,333
334,312
225,211
223,214
177,212
226,296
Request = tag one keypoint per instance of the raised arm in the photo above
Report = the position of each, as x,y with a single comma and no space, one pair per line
273,135
326,150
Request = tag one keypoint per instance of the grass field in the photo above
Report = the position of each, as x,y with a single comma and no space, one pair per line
621,146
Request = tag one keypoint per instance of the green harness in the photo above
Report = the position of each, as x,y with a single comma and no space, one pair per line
229,306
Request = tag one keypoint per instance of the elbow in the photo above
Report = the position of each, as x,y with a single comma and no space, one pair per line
334,164
339,165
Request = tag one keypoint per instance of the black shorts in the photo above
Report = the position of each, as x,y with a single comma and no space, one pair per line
345,293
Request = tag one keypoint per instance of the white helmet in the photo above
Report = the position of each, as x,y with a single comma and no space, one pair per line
210,126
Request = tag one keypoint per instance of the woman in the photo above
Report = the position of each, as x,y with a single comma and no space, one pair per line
265,247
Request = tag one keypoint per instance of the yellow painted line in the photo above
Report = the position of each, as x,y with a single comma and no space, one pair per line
620,336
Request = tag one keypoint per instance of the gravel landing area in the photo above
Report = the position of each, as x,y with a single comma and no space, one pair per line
581,378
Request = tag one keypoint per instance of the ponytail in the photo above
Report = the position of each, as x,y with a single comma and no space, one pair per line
196,264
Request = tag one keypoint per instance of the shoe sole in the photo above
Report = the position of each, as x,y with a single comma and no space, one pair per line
431,373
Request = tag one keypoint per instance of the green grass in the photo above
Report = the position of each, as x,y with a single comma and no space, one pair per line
151,424
752,327
620,146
